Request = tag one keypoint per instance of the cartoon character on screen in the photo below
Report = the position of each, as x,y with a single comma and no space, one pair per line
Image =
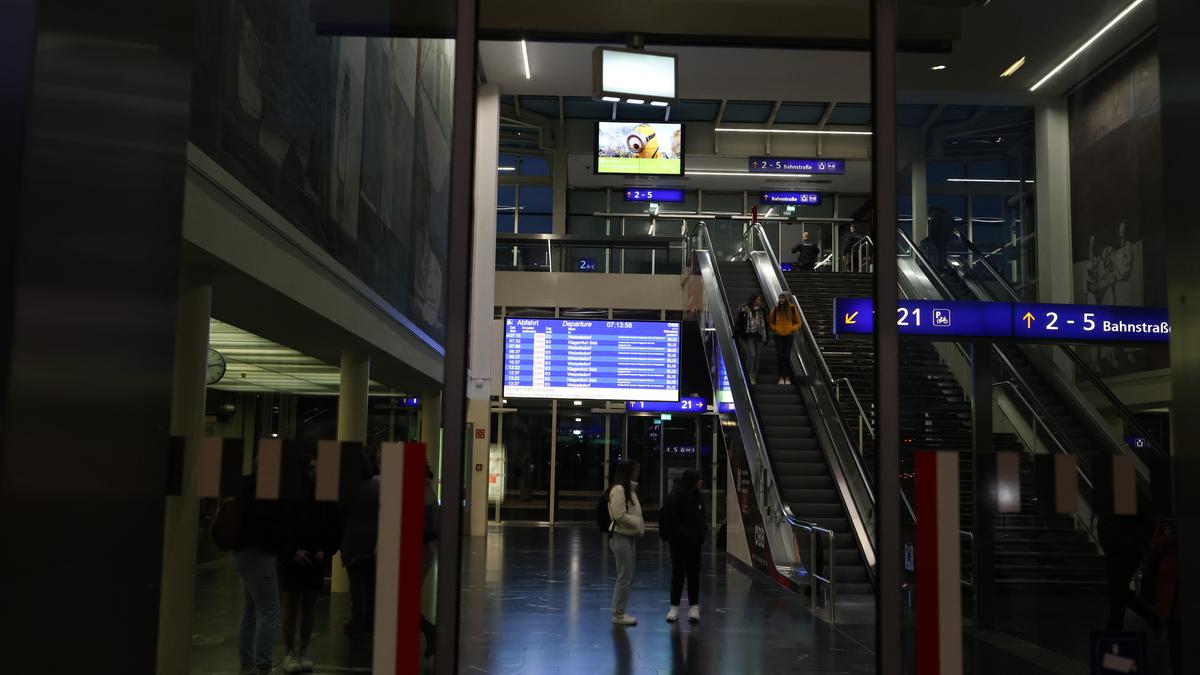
643,142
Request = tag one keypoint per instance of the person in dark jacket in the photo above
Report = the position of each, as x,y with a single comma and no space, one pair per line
852,240
260,539
751,332
684,524
315,532
359,546
806,253
941,229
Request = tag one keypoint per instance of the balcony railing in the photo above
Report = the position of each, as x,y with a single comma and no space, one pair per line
586,254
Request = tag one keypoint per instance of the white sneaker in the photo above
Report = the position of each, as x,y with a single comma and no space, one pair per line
753,379
307,663
673,614
291,664
694,614
781,381
624,620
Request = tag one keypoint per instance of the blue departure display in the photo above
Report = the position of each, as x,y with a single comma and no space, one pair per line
796,165
1007,321
683,405
590,359
1091,323
793,198
665,195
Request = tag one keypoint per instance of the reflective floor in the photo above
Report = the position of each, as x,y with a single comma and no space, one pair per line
537,601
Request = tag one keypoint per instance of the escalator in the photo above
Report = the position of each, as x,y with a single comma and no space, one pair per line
813,497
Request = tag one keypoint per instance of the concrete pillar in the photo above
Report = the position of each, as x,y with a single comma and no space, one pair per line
1053,161
920,197
352,426
180,527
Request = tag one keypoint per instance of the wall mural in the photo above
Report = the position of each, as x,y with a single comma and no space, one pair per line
1117,216
347,138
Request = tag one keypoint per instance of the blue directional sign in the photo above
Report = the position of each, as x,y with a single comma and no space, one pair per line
797,165
1008,321
933,318
1091,323
683,405
792,198
650,194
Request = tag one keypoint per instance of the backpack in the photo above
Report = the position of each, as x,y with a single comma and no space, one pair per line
603,520
227,525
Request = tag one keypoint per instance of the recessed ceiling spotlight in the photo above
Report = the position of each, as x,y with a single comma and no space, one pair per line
940,66
1016,65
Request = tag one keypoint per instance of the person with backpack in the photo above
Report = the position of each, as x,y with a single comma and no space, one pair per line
784,320
259,536
683,524
625,528
751,332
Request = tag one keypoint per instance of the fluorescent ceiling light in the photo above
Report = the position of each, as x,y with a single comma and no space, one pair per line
825,132
1108,26
1013,68
506,168
635,101
747,173
986,180
525,58
939,66
611,99
661,104
578,402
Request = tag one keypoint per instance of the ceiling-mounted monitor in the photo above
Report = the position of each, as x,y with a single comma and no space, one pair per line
634,76
639,148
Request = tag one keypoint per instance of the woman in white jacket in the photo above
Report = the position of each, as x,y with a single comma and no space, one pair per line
627,527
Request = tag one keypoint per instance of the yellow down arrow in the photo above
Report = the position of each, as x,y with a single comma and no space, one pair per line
850,318
1028,319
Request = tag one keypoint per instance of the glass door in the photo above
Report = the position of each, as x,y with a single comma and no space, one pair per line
581,441
524,443
644,444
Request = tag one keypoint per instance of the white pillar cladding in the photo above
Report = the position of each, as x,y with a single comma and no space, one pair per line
1053,176
353,402
483,298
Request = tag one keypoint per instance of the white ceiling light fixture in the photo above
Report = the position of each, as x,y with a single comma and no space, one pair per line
820,132
747,173
940,66
1107,27
987,180
635,101
506,168
525,59
611,99
1016,65
661,104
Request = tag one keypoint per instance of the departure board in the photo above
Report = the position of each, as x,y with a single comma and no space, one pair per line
591,359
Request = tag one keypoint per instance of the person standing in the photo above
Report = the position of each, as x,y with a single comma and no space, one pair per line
941,228
315,534
683,525
260,539
807,253
627,527
751,331
784,321
359,546
852,240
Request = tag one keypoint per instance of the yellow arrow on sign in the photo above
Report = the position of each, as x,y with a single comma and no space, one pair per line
1028,319
850,319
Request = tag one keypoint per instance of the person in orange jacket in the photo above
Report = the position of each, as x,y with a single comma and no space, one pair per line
784,320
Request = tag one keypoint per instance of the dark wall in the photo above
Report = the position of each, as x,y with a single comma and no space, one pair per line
347,138
1117,216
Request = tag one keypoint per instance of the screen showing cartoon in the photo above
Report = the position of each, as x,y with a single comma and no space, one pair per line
639,148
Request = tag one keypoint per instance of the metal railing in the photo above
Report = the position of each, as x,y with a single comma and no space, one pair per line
864,422
862,255
815,580
661,255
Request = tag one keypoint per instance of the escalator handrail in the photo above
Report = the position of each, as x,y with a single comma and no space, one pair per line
1080,364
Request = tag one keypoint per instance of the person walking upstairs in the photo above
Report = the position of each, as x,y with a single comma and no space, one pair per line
683,525
784,320
627,527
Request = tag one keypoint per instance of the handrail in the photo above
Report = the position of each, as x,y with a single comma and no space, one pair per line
1080,364
861,251
1038,416
861,411
814,579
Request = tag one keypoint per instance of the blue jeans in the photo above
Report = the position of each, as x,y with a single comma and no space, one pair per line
260,606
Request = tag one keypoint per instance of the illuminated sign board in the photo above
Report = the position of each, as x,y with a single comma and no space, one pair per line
792,198
1007,321
797,165
683,405
664,195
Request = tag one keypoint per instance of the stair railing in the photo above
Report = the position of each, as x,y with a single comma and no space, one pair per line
862,254
864,422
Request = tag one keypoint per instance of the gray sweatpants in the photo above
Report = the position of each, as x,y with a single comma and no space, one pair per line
624,548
